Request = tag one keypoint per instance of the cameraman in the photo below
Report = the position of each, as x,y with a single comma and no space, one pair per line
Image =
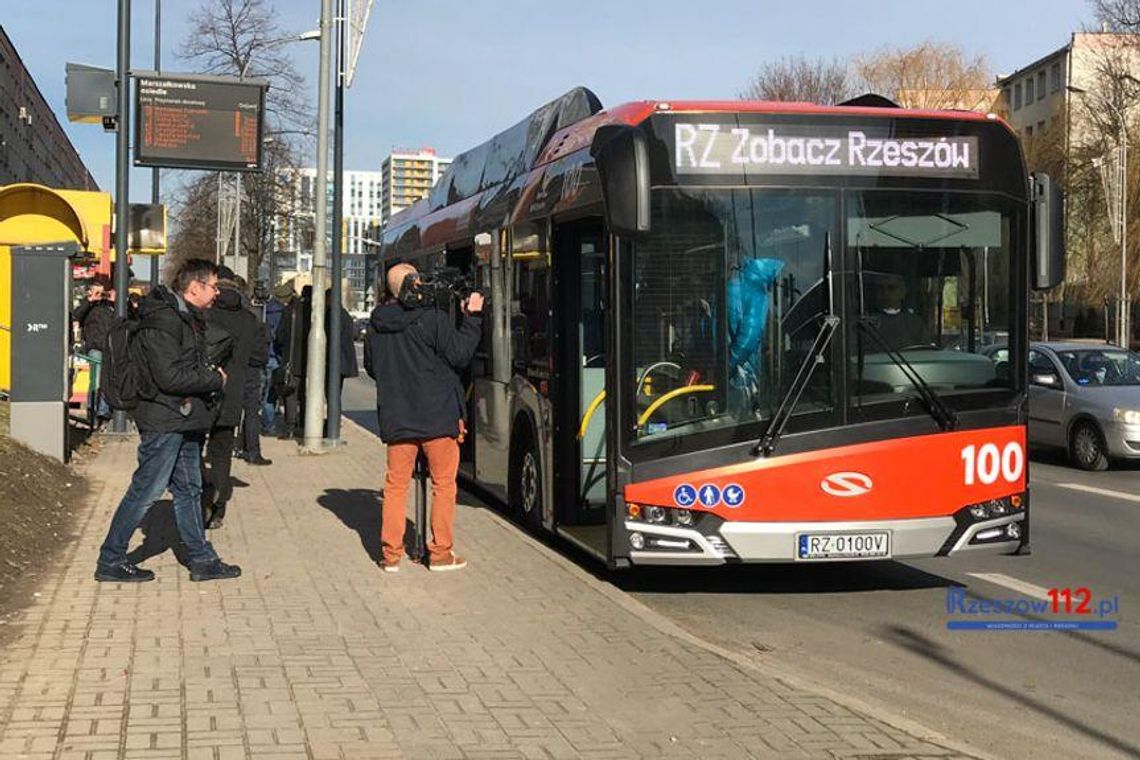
417,354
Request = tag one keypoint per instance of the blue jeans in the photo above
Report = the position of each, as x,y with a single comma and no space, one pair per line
165,460
95,399
268,397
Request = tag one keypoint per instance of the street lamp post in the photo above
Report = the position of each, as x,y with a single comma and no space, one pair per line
335,258
240,268
315,369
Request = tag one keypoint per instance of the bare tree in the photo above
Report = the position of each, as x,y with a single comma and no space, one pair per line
243,38
933,75
799,78
1117,15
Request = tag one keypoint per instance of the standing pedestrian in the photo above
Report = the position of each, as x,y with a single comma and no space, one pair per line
172,417
96,317
242,326
417,356
275,310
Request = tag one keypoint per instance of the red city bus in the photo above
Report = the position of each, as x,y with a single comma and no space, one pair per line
747,331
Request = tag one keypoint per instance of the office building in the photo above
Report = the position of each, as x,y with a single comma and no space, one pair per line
407,177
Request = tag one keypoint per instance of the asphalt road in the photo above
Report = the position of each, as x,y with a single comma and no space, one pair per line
878,631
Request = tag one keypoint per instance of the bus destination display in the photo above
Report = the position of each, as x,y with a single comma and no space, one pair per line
197,123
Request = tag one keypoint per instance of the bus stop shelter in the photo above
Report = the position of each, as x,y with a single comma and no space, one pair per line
38,221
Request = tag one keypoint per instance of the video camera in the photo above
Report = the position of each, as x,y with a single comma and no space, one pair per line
441,288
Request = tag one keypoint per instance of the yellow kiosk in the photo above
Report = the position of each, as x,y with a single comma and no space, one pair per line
32,215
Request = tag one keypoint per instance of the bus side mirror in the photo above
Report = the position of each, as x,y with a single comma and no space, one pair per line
1048,233
622,158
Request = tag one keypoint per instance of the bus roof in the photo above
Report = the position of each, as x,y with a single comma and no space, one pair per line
568,124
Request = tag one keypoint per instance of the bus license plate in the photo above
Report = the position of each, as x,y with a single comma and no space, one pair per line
843,545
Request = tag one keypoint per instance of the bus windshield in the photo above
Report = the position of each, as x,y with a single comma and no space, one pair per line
730,287
728,291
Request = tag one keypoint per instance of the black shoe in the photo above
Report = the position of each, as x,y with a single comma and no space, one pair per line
259,460
239,454
213,571
124,572
217,516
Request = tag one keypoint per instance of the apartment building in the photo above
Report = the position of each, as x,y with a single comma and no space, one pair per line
33,145
362,214
407,177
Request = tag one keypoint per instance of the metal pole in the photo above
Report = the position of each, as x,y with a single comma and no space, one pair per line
315,371
122,180
218,226
333,432
240,270
154,176
1124,315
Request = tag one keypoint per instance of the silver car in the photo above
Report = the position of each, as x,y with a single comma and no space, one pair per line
1085,399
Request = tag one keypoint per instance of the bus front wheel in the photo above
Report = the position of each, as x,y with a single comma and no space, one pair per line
526,482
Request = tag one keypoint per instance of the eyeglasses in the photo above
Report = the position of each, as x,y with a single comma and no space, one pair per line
211,285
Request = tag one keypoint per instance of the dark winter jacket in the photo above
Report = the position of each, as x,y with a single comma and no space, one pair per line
292,338
95,318
275,312
171,346
230,315
417,356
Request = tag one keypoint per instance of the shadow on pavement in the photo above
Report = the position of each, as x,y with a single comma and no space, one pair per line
779,579
924,647
1093,641
359,510
160,532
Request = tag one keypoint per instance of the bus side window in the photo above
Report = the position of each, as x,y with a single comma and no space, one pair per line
530,309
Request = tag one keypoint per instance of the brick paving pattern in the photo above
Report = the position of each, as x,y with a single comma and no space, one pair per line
315,654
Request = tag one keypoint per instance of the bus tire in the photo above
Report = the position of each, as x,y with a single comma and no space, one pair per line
1086,447
526,480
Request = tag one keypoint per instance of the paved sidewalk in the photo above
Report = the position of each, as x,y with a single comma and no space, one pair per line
314,653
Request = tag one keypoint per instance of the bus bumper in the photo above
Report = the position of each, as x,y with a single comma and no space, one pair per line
777,542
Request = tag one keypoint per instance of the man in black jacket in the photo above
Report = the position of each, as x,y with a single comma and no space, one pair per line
172,416
230,314
417,355
96,317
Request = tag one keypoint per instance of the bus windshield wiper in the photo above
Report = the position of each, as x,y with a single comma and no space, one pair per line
946,418
767,444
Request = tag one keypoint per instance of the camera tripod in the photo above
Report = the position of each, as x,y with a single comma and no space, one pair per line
416,539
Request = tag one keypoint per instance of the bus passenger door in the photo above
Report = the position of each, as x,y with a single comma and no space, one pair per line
490,404
462,259
580,446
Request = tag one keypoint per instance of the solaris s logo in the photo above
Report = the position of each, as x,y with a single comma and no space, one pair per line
846,484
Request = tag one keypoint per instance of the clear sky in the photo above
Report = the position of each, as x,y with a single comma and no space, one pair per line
450,73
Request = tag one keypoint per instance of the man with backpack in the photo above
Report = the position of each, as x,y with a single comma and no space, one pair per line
158,369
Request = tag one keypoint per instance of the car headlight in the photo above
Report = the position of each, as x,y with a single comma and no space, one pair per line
1127,416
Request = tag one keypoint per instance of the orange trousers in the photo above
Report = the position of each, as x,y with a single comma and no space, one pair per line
443,463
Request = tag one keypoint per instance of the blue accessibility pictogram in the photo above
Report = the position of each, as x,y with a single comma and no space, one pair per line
734,495
710,495
684,495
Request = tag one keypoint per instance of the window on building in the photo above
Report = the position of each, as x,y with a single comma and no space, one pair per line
1029,131
1007,95
1017,96
1029,90
1041,84
1055,78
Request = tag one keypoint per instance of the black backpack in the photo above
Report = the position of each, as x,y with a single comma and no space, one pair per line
122,381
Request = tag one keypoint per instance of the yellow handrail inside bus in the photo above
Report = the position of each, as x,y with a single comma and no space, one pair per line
669,397
589,415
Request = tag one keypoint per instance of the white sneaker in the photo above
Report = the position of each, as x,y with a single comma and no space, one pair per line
453,562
